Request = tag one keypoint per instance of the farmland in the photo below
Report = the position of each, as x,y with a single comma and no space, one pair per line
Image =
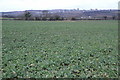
67,49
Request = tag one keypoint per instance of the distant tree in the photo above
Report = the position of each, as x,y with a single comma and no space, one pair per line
62,18
105,17
57,17
27,15
37,18
113,17
94,18
45,13
91,9
51,18
78,9
118,16
44,18
73,18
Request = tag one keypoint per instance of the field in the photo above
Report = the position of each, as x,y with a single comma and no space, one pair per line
67,49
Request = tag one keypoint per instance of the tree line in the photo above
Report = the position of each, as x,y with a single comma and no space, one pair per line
45,16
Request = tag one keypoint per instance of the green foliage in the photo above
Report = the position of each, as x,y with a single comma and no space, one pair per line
73,18
57,17
105,17
27,15
33,49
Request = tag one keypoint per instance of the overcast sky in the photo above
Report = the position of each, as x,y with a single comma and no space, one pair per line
20,5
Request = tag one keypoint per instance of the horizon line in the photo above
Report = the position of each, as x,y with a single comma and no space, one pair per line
58,9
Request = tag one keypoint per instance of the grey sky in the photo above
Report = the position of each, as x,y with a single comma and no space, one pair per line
19,5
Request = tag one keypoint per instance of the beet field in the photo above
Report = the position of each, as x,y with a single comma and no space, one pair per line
60,49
